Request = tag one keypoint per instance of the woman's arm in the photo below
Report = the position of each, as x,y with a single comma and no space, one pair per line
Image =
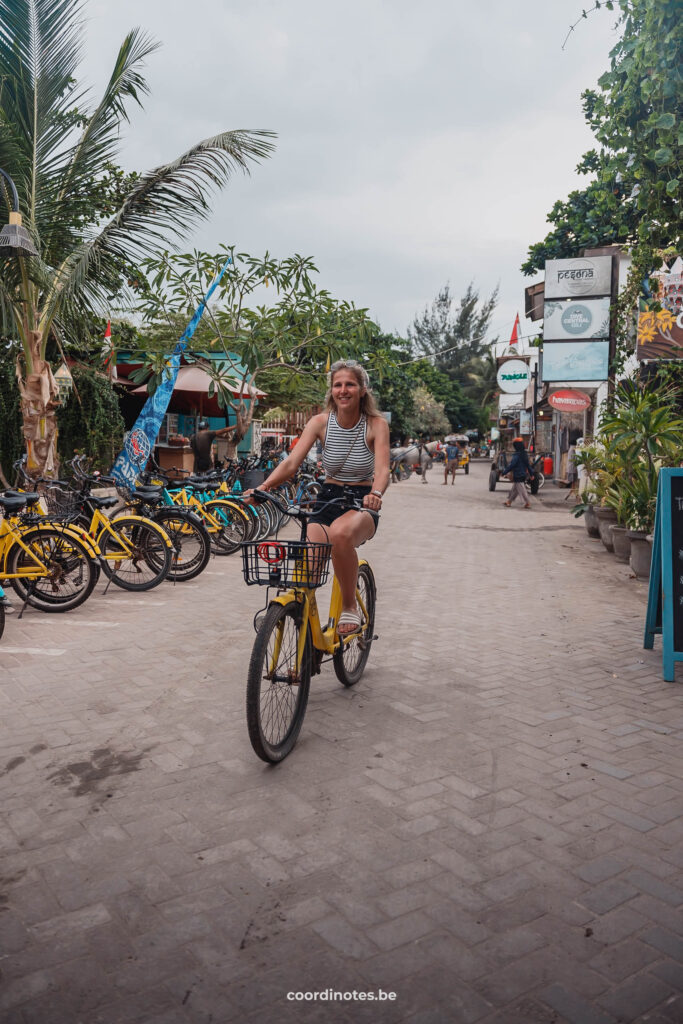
380,434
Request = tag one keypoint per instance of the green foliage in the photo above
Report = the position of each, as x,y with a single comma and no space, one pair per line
11,438
453,337
90,421
290,340
640,431
636,116
89,221
428,417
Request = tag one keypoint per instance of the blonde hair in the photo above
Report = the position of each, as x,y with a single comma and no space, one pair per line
368,406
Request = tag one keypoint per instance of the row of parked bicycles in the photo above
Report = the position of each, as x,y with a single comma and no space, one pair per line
59,537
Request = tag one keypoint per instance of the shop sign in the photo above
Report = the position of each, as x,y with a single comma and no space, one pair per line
525,422
586,275
563,362
569,400
571,321
513,376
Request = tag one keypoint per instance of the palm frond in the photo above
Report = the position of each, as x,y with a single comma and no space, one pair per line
163,205
40,48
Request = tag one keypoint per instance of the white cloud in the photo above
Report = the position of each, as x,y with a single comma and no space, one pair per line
417,143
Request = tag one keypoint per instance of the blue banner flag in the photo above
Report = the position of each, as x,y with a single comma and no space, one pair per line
140,441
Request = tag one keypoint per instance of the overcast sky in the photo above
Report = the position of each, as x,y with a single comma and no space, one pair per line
418,143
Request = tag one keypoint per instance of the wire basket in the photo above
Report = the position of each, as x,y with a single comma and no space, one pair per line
60,501
289,563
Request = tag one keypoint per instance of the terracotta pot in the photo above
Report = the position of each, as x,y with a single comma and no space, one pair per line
591,521
606,518
641,553
621,543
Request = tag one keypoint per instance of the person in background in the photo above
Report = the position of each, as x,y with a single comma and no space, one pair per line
452,459
519,470
295,440
201,445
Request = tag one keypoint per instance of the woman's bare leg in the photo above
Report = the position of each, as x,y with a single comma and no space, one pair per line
346,534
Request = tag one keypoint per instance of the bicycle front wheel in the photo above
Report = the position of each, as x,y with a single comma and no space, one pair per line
351,657
277,689
137,555
70,572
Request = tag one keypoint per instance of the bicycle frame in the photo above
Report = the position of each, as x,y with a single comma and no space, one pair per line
100,524
9,536
325,640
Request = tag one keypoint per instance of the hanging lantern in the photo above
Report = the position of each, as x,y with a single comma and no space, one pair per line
65,383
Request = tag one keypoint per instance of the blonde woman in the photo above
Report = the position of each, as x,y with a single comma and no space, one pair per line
355,454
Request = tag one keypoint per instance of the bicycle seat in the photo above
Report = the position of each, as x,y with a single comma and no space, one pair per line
149,489
27,497
103,502
147,494
13,502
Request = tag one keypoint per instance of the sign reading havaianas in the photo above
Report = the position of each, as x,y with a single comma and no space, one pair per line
513,376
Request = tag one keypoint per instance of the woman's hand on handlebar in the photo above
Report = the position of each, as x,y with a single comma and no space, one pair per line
373,502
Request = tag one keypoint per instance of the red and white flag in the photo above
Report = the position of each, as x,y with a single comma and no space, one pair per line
516,333
109,356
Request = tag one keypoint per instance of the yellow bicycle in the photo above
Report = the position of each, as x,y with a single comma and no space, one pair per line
291,642
49,565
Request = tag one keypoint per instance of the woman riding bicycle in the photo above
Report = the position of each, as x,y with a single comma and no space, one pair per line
355,440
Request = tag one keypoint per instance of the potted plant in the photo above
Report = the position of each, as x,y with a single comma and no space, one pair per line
589,458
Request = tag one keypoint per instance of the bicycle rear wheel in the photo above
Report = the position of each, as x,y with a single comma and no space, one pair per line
277,691
141,560
70,576
2,618
351,657
190,540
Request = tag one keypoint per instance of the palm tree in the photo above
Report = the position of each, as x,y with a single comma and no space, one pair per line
57,148
480,379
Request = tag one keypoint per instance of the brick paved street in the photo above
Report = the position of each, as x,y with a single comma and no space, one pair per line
488,825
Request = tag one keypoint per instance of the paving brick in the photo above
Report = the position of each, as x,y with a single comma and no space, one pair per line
477,865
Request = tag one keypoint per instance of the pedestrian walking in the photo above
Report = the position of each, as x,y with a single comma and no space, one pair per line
452,459
519,471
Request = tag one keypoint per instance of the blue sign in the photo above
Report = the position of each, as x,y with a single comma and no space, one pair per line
665,595
140,441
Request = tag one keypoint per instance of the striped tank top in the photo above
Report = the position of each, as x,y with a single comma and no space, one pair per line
346,456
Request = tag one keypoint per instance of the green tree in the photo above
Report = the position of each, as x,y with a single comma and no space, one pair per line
287,343
429,416
635,116
453,336
90,420
60,151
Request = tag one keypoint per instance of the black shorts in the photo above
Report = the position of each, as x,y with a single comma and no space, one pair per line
326,516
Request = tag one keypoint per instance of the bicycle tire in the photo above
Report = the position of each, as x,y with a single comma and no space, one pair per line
71,579
2,619
233,531
493,479
190,540
151,561
351,658
275,712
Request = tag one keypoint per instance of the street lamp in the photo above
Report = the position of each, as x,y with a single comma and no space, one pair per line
14,238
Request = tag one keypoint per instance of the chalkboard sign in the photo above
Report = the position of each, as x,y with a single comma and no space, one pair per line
665,596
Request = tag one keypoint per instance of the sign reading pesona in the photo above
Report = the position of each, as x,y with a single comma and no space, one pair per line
513,376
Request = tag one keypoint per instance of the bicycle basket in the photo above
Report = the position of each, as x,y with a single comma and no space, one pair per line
286,563
60,501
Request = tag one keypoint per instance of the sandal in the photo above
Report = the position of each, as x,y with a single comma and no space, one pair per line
352,619
507,504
